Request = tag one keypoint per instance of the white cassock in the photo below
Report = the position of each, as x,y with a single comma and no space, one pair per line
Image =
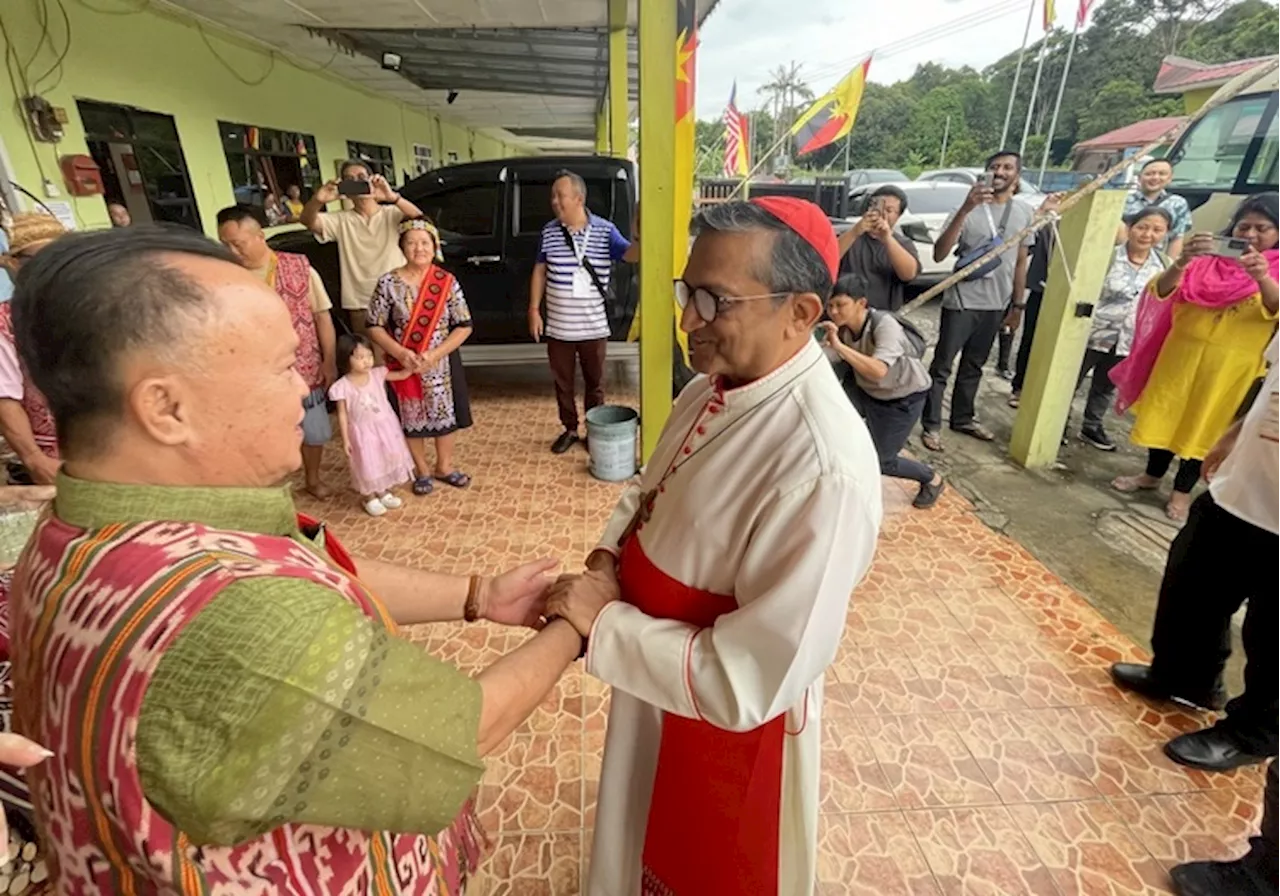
764,515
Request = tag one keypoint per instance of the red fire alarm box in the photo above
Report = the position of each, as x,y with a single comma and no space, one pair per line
82,176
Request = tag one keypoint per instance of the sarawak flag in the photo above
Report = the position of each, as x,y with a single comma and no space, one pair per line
1082,12
833,115
735,138
1050,14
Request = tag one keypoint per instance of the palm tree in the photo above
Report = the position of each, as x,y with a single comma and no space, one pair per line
786,89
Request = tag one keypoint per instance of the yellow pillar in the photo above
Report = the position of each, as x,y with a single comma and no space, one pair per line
1088,232
657,204
602,130
619,114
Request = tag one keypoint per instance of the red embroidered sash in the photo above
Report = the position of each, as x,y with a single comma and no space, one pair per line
433,298
715,816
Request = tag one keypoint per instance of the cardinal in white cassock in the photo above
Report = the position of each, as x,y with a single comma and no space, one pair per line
717,596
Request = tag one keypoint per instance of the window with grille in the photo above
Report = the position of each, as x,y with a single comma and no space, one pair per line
267,160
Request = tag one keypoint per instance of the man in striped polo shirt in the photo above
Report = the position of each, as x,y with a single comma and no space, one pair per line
575,260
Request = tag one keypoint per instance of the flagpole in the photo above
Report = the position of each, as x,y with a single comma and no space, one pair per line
1057,105
1035,91
786,135
1017,73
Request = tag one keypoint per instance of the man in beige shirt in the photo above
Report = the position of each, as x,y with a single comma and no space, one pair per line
367,235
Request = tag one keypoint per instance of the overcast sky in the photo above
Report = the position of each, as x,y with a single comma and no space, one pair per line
744,39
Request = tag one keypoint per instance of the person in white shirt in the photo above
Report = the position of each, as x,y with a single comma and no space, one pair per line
1224,556
718,593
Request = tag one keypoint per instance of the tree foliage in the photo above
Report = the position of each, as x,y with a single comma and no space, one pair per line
1115,64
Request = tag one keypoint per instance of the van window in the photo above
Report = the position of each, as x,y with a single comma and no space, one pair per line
1212,152
464,211
535,202
1266,167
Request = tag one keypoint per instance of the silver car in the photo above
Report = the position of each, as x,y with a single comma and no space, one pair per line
969,176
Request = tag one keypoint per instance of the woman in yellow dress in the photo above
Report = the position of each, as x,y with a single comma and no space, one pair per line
1202,328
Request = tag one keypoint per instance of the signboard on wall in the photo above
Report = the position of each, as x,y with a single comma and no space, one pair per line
423,158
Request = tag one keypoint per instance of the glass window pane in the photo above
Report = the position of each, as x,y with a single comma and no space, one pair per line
1211,153
466,211
535,202
1263,171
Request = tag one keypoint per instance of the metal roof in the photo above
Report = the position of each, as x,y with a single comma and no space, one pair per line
532,72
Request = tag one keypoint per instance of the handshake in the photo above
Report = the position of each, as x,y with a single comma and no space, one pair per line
578,599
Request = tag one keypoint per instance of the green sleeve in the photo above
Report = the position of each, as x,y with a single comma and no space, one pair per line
281,702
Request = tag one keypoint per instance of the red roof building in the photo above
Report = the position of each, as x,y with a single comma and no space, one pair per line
1196,81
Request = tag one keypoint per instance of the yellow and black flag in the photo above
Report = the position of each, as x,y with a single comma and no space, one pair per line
833,115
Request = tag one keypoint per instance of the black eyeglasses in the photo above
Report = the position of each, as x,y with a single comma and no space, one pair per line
707,304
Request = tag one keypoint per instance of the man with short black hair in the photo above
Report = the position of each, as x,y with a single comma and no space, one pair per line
973,310
367,234
240,229
886,261
575,261
716,597
230,706
1155,176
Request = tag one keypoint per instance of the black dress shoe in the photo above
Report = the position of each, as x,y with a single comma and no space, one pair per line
1218,879
565,442
1213,750
1137,677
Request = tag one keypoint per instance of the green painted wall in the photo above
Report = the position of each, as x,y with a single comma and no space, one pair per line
162,64
1192,100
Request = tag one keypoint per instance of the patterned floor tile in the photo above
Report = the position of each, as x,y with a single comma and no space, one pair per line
876,681
1089,850
979,852
1183,827
531,865
926,762
962,677
1119,757
872,854
1018,754
534,784
852,780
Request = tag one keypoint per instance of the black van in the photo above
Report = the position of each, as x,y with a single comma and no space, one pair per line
490,216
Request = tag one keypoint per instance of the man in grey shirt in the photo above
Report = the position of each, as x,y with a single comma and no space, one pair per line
973,310
884,378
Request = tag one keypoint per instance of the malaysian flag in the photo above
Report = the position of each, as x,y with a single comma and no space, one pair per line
735,138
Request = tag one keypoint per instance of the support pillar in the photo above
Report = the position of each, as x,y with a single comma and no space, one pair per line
1088,233
602,130
657,204
619,115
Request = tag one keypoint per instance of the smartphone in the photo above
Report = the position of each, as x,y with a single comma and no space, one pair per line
1229,246
820,335
987,179
354,188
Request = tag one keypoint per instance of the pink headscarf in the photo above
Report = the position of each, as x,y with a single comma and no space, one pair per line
1209,281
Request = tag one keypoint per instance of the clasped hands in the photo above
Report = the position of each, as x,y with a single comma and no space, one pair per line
419,362
579,599
526,596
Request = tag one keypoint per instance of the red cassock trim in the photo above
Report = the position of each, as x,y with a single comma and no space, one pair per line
713,827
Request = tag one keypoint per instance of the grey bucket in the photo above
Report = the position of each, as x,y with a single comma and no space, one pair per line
611,438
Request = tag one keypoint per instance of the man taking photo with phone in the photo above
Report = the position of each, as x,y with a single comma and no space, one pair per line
973,310
367,234
874,250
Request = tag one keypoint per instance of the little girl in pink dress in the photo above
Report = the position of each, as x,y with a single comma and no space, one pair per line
371,432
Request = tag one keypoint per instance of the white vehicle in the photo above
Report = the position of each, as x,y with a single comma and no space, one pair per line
929,205
969,176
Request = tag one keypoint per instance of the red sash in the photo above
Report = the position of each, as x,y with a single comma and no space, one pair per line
715,816
433,298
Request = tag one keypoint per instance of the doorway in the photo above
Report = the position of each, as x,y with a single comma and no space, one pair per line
141,160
